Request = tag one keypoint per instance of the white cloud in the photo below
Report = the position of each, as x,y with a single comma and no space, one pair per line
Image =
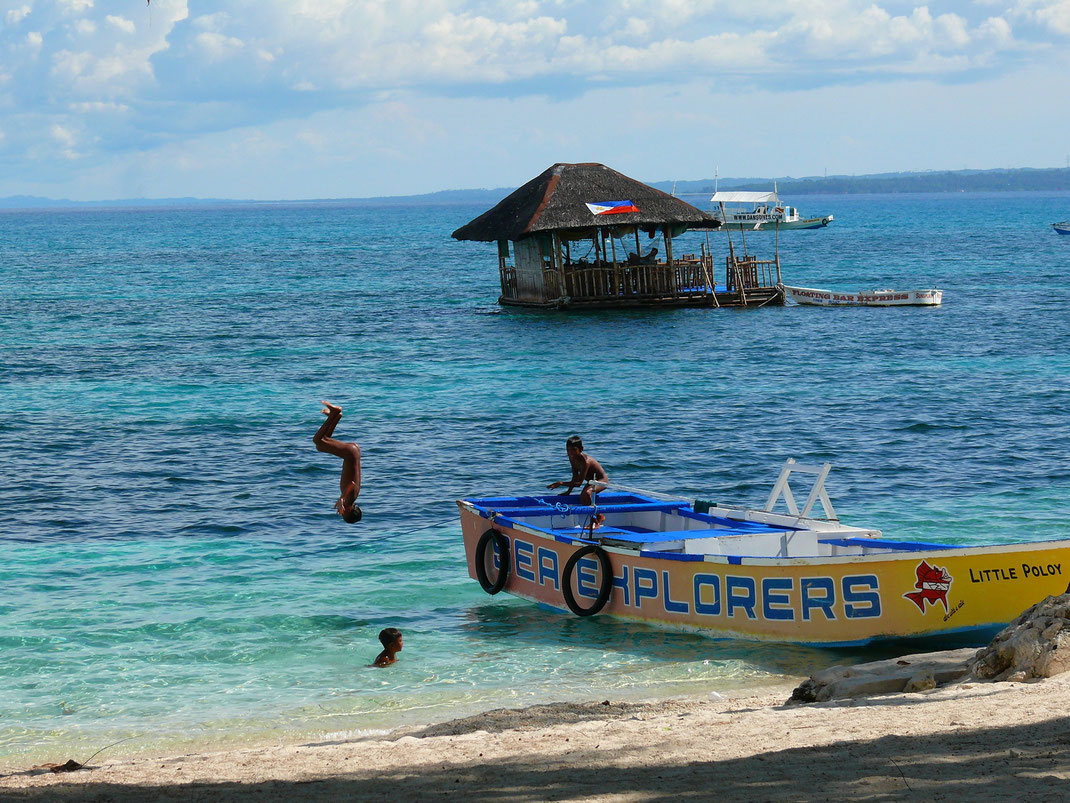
328,46
367,44
16,15
875,35
217,47
211,22
997,30
635,28
130,75
1049,15
98,107
77,6
110,57
66,140
1056,16
63,136
463,47
122,23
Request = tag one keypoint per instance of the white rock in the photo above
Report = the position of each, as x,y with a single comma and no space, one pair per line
1035,645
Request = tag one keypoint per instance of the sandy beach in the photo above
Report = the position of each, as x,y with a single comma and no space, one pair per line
991,740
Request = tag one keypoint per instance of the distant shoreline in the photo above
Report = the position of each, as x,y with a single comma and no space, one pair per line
1055,179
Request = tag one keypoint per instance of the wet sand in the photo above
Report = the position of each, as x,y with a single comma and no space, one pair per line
990,740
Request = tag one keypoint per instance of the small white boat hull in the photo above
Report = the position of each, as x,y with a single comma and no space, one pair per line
864,298
1062,228
767,213
768,223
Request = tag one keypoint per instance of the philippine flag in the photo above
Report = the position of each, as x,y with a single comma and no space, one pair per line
612,207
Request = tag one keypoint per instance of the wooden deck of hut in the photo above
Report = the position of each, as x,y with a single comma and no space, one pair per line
588,208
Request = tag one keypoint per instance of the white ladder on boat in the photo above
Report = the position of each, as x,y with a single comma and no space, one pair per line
818,492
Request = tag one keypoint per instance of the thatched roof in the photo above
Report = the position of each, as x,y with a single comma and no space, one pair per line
558,198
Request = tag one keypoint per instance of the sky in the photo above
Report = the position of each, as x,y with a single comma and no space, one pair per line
298,99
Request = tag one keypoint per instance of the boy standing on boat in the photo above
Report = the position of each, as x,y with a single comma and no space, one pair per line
585,470
349,483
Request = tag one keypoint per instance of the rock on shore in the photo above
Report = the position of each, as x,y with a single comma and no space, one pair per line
907,674
1035,645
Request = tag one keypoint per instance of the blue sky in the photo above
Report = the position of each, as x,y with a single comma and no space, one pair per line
344,98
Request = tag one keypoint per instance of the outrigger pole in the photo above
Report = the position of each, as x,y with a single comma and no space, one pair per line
776,250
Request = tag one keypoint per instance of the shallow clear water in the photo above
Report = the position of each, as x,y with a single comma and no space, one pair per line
173,571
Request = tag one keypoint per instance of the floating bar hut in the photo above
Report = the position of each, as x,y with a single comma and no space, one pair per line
586,236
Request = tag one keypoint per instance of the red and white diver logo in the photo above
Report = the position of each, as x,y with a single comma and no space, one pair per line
934,583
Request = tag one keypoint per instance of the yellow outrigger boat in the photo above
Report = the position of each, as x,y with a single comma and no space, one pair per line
734,572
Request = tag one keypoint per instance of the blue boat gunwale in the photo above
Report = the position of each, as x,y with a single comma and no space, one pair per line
507,508
895,549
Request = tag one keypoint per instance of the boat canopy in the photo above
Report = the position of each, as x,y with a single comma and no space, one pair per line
745,198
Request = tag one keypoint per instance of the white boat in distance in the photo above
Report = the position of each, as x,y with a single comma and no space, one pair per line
765,212
864,298
1062,228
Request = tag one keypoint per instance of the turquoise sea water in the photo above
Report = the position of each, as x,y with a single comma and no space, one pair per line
173,573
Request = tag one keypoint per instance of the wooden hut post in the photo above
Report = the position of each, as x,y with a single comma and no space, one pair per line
503,273
636,268
670,272
616,268
559,271
731,250
777,252
604,274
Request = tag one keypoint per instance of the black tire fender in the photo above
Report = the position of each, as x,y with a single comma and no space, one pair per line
603,592
502,543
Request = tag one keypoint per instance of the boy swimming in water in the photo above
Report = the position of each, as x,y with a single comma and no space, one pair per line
349,483
391,640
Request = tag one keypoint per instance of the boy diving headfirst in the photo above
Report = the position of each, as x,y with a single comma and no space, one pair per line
349,483
586,471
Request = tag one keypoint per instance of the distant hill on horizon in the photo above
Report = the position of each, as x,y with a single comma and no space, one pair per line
30,202
1021,179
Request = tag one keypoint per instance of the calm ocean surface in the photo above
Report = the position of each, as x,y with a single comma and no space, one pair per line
173,573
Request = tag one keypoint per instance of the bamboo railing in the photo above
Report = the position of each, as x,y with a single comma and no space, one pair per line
687,278
682,279
749,272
